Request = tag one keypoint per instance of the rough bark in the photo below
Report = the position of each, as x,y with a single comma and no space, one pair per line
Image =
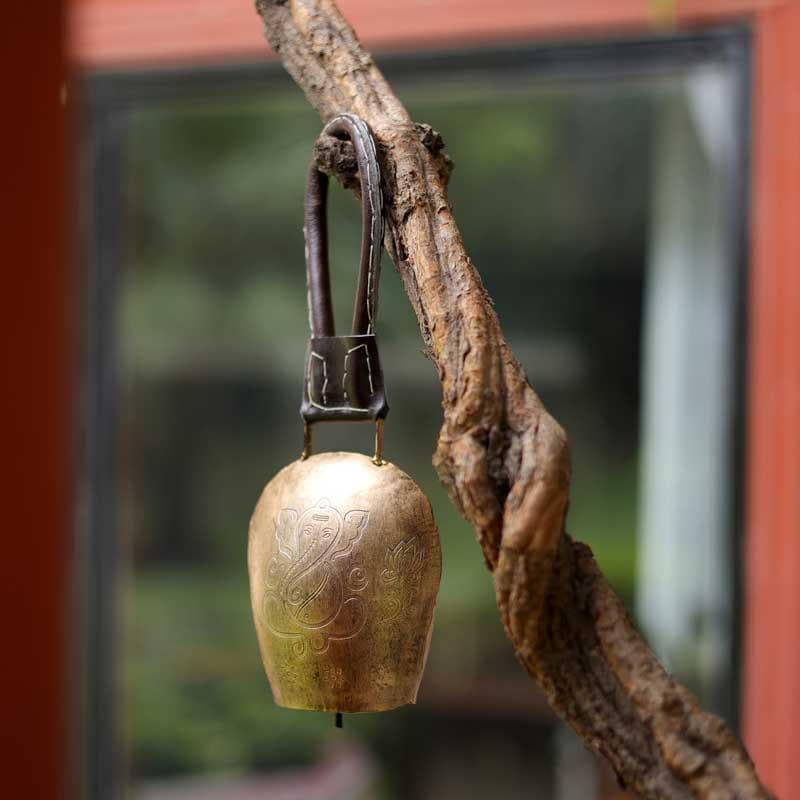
503,458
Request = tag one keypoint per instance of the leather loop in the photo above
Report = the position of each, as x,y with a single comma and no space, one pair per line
319,284
343,378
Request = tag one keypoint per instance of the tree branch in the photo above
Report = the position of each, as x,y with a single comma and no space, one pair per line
503,458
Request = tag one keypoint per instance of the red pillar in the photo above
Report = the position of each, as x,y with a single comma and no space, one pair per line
35,393
772,595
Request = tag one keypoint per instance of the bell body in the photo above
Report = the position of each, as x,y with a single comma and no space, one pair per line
345,563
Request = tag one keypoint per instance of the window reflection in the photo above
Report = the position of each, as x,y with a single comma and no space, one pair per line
558,189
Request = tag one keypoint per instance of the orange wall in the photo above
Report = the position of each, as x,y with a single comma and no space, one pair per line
116,32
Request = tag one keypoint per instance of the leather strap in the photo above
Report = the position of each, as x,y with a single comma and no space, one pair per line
343,376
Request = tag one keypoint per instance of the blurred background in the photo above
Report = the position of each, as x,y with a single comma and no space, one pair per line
602,213
603,188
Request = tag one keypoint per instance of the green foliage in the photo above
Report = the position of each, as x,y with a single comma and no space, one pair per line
199,701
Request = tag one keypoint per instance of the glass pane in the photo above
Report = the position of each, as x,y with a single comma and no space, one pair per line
553,190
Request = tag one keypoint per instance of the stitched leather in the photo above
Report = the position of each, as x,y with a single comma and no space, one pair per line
343,379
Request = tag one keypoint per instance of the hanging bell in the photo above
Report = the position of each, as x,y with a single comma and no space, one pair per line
344,556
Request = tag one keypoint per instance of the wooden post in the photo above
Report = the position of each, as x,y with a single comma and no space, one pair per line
35,405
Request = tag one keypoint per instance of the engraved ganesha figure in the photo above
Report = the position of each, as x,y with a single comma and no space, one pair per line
312,595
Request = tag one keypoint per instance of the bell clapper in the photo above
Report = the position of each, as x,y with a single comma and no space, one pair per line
377,459
339,719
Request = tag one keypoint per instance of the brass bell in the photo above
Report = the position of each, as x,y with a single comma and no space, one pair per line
344,555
